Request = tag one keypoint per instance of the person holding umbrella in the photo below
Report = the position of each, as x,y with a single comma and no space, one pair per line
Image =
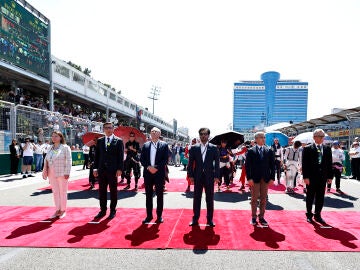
279,157
224,153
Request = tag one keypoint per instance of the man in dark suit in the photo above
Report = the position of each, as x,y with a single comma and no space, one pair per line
154,157
317,171
203,171
108,165
260,170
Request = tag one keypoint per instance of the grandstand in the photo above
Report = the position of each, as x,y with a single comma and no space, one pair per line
39,91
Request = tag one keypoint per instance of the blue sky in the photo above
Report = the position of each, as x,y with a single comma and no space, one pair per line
195,50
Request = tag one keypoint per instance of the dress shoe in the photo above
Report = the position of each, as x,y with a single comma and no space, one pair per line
112,215
91,187
127,187
211,223
194,223
338,190
100,215
319,219
253,221
263,222
309,220
147,220
159,220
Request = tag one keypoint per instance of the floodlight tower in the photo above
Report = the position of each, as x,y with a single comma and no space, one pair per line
154,95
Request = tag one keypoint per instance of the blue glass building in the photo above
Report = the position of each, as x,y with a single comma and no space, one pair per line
258,104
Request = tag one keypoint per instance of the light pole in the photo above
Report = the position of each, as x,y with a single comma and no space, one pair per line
154,94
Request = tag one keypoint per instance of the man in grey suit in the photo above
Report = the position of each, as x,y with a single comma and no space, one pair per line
108,165
260,172
154,157
203,170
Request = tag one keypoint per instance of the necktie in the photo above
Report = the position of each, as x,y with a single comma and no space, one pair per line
319,154
261,152
108,142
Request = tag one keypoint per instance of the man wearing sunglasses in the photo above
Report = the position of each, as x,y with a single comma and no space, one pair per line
108,166
132,162
203,171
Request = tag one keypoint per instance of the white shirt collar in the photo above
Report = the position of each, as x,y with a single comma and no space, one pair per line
111,137
204,145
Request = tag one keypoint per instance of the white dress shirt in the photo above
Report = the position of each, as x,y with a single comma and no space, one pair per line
106,140
153,148
203,148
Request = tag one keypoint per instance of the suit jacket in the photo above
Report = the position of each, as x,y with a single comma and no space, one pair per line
161,159
109,159
209,167
310,166
13,151
60,161
258,168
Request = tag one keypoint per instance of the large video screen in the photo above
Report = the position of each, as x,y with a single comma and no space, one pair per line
24,38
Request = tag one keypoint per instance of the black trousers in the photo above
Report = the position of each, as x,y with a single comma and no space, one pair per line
132,165
151,181
355,167
92,179
14,165
315,191
337,175
278,169
225,172
108,179
86,161
199,185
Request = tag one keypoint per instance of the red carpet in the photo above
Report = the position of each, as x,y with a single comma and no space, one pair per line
24,226
175,185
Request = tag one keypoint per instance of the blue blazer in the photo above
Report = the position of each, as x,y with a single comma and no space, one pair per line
258,168
161,159
209,167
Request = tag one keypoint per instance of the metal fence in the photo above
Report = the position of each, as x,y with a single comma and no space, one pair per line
18,121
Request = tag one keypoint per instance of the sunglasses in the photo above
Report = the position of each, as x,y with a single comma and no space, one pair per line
203,134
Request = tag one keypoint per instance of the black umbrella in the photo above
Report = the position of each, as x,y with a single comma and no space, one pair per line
233,139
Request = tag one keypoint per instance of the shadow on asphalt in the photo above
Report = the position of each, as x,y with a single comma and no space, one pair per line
346,196
232,197
337,203
270,206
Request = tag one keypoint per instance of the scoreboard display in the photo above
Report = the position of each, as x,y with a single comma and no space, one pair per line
24,38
